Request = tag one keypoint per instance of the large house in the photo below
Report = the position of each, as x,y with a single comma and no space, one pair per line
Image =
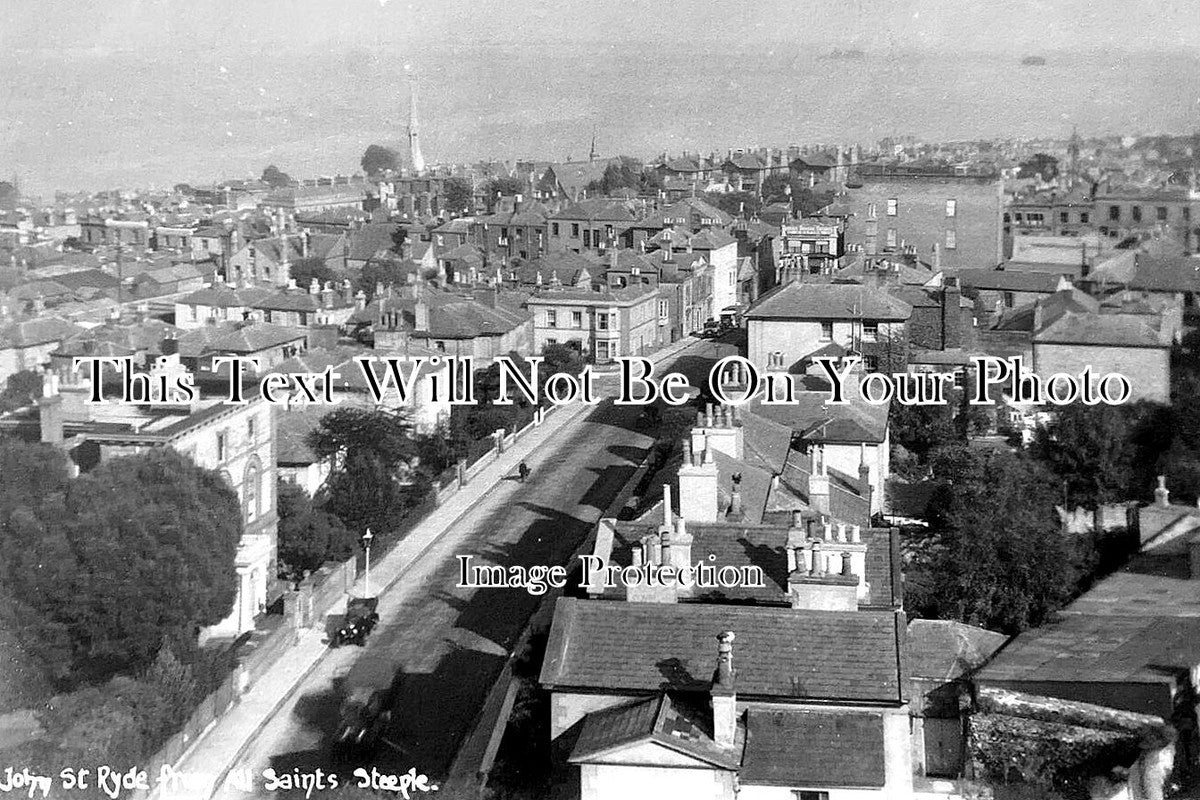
238,441
604,323
799,321
954,221
589,225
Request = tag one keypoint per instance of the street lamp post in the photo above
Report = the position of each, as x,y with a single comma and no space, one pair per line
366,542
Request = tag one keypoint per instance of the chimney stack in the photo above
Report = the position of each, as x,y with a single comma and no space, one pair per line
724,693
421,315
818,481
1161,493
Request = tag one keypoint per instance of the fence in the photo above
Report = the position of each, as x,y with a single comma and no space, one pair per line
313,599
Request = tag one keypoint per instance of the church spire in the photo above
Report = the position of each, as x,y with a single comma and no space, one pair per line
414,144
592,152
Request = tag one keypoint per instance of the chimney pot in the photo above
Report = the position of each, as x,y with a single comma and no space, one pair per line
846,564
1161,493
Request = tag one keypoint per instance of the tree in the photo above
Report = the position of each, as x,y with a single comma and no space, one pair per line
507,185
372,484
806,202
1089,449
21,389
922,429
1041,165
9,195
308,536
379,159
304,270
743,204
275,178
111,564
996,557
458,196
776,188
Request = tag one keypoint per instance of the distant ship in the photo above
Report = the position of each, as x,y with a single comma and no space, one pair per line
1033,61
845,55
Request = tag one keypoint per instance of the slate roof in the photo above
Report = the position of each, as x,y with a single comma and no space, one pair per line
1102,330
812,748
746,161
1008,281
141,337
574,176
32,332
812,417
596,208
451,316
370,239
783,653
944,649
1099,648
292,427
814,301
236,338
569,268
688,208
1167,273
677,723
92,278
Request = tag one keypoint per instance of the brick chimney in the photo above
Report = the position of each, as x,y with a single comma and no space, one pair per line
698,484
724,693
327,295
827,584
421,315
818,480
314,288
723,430
952,324
50,410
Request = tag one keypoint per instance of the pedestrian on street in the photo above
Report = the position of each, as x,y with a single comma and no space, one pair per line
522,472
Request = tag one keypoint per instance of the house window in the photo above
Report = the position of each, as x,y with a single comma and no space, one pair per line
193,310
951,207
222,446
1009,299
441,346
554,228
250,430
551,319
1064,217
1018,216
577,319
1084,217
587,238
303,317
1187,213
602,321
601,350
805,794
826,331
574,230
870,330
893,207
550,342
891,237
1137,213
1161,211
871,363
951,240
871,211
1114,213
250,490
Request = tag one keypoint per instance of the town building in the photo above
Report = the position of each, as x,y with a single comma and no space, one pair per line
237,441
603,323
954,221
799,321
589,225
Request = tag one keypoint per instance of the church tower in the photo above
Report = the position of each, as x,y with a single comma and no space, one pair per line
414,144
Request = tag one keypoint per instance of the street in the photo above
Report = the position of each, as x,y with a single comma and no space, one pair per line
451,643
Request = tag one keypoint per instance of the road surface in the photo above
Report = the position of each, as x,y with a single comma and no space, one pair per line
451,643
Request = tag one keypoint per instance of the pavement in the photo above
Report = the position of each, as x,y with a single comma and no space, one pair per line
439,633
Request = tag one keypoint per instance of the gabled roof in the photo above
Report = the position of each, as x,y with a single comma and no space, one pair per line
746,161
1006,281
674,722
1167,273
944,650
817,420
821,301
1102,330
596,208
32,332
236,338
371,238
574,176
781,653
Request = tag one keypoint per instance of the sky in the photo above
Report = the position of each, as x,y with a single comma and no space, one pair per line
188,26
